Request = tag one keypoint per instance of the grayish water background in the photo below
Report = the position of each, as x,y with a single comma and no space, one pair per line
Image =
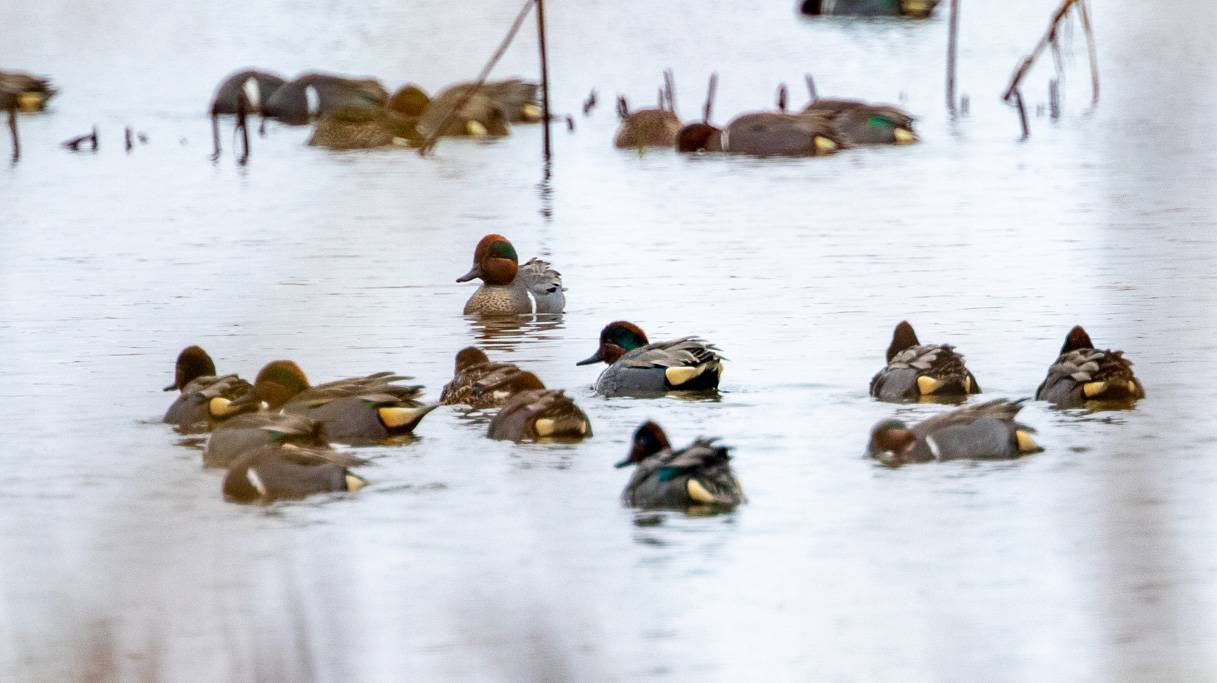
474,558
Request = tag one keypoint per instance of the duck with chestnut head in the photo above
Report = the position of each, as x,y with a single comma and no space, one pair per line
696,477
637,367
987,431
508,288
359,409
1085,376
921,372
205,399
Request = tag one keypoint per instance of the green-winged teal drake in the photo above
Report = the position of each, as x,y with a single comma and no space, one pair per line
204,399
508,288
540,414
1083,375
764,134
915,9
859,123
352,410
696,477
244,433
271,473
982,432
480,383
638,367
918,371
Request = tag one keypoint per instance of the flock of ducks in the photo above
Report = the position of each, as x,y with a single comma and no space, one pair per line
274,435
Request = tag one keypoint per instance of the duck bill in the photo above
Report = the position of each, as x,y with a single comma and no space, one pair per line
171,387
593,359
474,272
624,463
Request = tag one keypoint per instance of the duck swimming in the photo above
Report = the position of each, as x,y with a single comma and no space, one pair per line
1083,375
764,134
479,383
915,9
638,367
368,408
205,399
697,477
24,92
311,95
508,288
915,370
250,431
273,473
645,127
859,123
981,432
540,414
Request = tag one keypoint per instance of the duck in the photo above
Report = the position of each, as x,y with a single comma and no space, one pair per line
205,399
249,431
508,288
697,477
987,431
914,9
272,473
656,127
515,96
540,414
306,97
479,383
636,367
764,134
257,85
860,123
917,371
359,409
23,92
363,128
479,115
1083,375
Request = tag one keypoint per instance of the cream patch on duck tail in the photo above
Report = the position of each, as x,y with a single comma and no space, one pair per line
394,417
1092,389
928,385
544,426
1025,443
904,136
679,375
824,145
698,492
475,128
354,483
220,407
530,112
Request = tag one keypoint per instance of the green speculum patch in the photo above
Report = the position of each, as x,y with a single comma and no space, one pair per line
880,122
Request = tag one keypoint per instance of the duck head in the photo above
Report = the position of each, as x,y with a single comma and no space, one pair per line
903,337
615,340
469,357
278,382
409,100
494,261
649,439
192,363
890,441
699,137
1076,339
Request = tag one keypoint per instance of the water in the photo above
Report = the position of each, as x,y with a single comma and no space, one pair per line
477,559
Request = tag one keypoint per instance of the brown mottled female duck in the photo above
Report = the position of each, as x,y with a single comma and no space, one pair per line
982,432
205,399
479,383
637,367
359,409
540,414
1085,376
508,288
698,477
645,127
921,371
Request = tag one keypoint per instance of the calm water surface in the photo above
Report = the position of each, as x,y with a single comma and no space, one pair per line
468,558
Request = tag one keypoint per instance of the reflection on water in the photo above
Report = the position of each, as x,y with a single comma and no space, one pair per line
472,558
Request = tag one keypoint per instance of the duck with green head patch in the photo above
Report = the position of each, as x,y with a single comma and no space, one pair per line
859,123
986,431
698,477
926,372
1085,376
637,367
540,415
205,399
359,409
508,288
272,473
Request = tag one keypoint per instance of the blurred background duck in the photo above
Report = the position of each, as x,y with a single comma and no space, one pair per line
480,383
655,127
204,399
23,92
986,431
859,123
1085,376
918,371
764,134
638,367
489,111
250,431
362,127
915,9
508,288
540,414
358,409
698,477
256,85
311,95
271,473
